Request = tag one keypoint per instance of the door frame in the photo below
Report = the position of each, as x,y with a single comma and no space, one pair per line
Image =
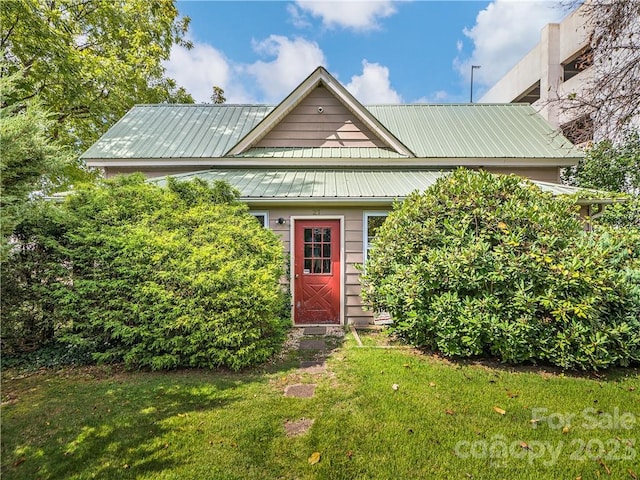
292,254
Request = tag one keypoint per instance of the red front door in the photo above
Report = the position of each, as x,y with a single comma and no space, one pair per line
317,272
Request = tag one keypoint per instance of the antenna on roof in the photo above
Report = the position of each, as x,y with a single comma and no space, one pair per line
473,67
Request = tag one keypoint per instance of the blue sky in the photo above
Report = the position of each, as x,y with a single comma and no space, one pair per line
383,51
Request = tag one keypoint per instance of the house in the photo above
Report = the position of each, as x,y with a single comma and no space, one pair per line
322,170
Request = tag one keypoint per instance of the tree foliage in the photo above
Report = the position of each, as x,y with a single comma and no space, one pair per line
614,168
155,277
217,97
608,166
89,61
29,160
481,264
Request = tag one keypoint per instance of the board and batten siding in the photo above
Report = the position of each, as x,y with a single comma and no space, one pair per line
353,254
320,120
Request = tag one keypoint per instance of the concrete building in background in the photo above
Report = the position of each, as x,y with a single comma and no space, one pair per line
559,65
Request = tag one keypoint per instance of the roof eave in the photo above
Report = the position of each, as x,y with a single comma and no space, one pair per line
333,201
248,162
376,201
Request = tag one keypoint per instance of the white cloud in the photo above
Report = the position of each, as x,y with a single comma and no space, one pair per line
354,14
294,60
202,67
441,96
373,86
298,17
503,33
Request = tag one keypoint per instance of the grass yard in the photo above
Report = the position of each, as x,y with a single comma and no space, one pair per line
445,420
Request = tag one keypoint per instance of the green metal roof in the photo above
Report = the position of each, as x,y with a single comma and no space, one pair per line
177,131
429,131
346,185
474,130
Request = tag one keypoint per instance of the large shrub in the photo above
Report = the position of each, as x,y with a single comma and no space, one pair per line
482,264
157,277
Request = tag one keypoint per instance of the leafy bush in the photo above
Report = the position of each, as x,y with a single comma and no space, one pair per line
616,169
157,277
482,264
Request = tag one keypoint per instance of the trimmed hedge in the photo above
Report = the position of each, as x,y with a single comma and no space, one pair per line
155,277
482,264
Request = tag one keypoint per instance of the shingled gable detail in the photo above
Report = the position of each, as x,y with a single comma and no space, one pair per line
354,125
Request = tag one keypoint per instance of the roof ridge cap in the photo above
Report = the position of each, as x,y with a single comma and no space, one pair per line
203,105
454,104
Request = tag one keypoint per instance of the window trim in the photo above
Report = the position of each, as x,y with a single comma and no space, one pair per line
365,231
264,213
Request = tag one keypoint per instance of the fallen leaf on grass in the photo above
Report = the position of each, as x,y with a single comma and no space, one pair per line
448,411
499,410
632,474
19,462
566,429
525,445
406,365
512,394
349,454
431,384
604,465
314,458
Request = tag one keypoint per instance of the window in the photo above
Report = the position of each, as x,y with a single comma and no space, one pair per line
317,250
262,217
371,223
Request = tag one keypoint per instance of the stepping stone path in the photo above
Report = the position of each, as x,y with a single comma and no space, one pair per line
313,349
300,390
298,427
315,345
312,343
314,331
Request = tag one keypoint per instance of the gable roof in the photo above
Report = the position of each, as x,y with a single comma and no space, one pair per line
410,134
455,131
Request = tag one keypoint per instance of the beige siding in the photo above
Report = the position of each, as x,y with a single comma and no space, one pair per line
353,252
542,174
150,172
335,126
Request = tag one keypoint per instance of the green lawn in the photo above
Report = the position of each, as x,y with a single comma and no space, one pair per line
439,423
